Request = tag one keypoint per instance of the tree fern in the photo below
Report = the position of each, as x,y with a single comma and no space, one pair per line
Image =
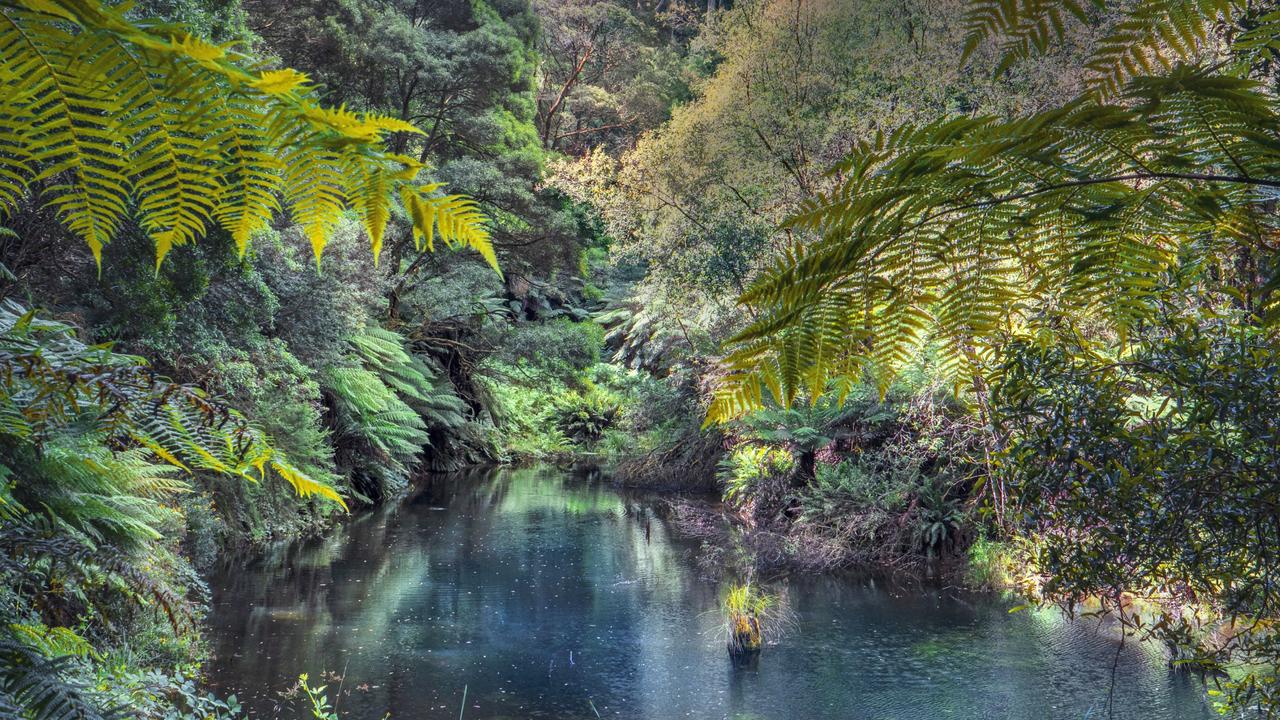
413,377
53,386
105,119
388,406
39,687
93,493
379,437
967,228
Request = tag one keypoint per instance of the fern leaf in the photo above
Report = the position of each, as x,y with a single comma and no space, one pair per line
118,120
304,485
965,229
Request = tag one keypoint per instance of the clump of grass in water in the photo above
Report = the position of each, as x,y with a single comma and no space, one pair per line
748,613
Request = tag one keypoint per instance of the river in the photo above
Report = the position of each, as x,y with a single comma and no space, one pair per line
539,594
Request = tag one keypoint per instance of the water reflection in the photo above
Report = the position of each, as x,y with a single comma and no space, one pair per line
549,596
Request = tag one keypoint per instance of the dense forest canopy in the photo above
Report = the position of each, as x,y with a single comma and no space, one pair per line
974,289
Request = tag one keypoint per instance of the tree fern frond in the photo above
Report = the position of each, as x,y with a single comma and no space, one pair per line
964,229
76,133
249,174
114,119
455,218
303,484
1151,36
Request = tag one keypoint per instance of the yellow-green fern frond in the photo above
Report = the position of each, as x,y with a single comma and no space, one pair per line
304,485
280,82
961,232
75,124
249,175
372,199
455,219
54,641
108,120
315,192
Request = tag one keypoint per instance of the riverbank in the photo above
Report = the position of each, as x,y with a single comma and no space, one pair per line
881,484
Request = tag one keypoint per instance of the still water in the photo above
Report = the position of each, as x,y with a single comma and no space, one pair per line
543,595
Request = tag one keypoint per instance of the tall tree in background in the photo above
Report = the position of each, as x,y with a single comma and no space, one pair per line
607,73
462,71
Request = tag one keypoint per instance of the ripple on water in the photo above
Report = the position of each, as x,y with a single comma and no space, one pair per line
521,568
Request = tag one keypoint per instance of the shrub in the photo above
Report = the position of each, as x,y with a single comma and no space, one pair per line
584,417
561,348
990,564
748,465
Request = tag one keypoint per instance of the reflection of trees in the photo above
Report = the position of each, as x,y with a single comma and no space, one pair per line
481,580
491,569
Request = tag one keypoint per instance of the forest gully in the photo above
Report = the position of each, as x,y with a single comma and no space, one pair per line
639,359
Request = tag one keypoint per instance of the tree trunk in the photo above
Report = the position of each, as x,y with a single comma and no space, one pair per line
806,468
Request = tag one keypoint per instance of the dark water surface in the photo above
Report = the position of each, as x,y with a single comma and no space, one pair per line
548,596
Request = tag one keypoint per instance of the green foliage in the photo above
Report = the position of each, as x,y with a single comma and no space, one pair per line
888,482
651,331
412,377
114,118
253,334
1150,473
178,697
382,434
464,71
749,611
609,71
1147,38
860,483
744,606
940,519
95,494
92,446
386,410
748,465
35,686
806,427
791,85
55,387
321,709
562,348
990,565
601,410
523,407
584,417
67,686
961,228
